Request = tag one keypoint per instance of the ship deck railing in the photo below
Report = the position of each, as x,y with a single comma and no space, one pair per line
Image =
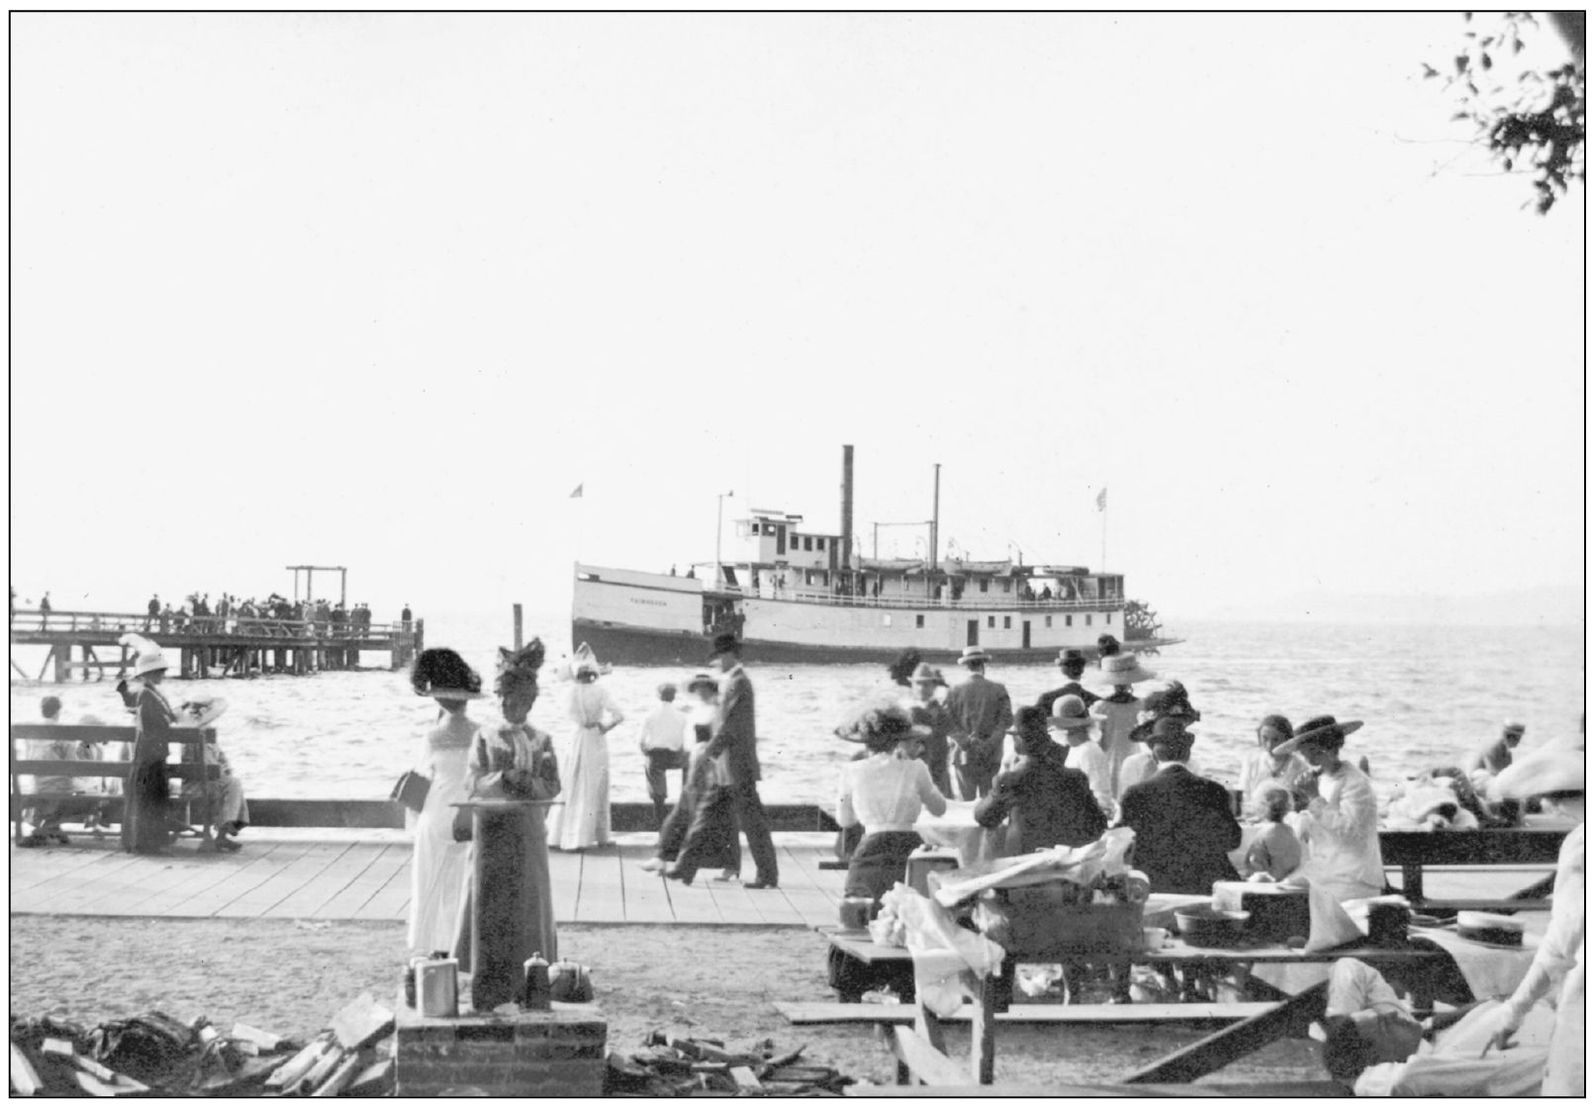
981,602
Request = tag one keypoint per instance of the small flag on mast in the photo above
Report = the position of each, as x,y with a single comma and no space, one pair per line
1102,500
577,492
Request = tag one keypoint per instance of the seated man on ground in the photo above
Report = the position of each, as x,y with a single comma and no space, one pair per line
1371,1041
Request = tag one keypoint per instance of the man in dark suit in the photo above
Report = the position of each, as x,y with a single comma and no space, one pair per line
1071,661
734,735
1184,829
1050,801
980,713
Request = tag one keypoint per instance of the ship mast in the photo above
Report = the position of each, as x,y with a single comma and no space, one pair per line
935,516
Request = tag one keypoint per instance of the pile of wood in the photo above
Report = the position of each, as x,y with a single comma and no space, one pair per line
679,1066
155,1054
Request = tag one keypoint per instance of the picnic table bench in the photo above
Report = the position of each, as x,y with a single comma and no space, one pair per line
920,1047
201,770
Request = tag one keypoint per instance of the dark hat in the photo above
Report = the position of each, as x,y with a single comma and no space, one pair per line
1071,655
725,642
1169,727
1323,731
1030,718
1107,644
441,673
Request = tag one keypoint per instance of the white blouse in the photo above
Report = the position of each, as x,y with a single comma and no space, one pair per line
885,794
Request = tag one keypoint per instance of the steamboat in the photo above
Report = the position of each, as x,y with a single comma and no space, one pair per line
797,595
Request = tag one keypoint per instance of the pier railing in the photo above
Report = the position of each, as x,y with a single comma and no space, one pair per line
69,620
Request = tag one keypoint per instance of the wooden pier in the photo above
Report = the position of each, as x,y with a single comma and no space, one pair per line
209,646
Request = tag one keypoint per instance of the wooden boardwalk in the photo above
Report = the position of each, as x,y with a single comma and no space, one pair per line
368,879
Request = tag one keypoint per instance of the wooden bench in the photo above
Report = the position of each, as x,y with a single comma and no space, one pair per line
110,804
920,1047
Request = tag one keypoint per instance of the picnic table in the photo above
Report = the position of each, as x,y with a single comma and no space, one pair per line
921,1047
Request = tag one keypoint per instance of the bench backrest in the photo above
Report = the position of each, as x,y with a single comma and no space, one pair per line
100,734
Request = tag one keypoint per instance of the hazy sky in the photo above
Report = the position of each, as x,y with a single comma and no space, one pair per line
380,290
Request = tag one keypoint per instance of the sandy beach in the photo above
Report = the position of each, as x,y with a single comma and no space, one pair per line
290,979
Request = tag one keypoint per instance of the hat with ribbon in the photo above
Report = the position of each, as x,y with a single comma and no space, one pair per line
881,726
1124,670
974,655
1324,731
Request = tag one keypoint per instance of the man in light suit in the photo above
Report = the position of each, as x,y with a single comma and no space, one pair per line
981,713
734,735
1184,830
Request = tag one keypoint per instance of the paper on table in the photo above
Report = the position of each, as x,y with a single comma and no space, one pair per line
1079,865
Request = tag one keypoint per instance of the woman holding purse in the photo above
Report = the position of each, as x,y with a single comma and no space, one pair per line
440,865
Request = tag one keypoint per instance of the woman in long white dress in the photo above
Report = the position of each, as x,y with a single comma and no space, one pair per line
580,819
440,865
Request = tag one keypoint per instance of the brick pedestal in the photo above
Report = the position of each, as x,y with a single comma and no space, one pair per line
535,1054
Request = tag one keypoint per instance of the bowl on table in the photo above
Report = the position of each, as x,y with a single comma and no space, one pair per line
1206,927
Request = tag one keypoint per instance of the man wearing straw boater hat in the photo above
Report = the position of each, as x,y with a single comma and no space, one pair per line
980,713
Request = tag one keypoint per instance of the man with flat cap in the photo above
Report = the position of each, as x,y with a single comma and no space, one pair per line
980,714
733,734
1071,661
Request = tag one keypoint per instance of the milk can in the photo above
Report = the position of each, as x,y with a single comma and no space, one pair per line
437,987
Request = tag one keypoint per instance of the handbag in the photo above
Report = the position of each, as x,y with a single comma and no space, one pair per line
462,824
411,790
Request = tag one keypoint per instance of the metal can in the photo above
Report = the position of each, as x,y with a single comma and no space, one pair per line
437,987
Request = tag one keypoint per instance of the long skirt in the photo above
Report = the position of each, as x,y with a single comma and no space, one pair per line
580,819
878,863
144,819
727,855
711,838
509,860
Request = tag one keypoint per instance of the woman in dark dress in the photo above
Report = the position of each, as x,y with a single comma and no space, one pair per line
514,761
726,853
145,822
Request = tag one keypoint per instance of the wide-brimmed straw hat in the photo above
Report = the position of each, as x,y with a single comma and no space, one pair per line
1171,727
150,659
1320,730
702,681
1069,714
1546,771
1125,670
974,655
878,725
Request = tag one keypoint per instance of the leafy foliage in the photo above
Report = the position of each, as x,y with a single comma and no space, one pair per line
1531,120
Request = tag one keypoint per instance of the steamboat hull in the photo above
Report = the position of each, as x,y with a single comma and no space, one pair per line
646,646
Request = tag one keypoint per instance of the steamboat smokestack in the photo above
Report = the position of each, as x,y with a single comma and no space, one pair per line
847,506
935,516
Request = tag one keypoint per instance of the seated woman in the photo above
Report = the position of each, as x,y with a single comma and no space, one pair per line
885,793
1338,817
1266,763
229,811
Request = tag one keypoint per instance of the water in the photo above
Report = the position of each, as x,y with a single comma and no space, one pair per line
1428,694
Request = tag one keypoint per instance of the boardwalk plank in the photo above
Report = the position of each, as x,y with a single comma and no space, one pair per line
195,877
734,903
602,898
391,902
392,860
105,892
339,873
565,875
263,900
260,869
646,899
693,905
42,896
32,867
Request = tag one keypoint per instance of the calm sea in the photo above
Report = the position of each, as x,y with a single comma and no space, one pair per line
1427,694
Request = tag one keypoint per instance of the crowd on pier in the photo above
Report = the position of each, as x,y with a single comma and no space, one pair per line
198,613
